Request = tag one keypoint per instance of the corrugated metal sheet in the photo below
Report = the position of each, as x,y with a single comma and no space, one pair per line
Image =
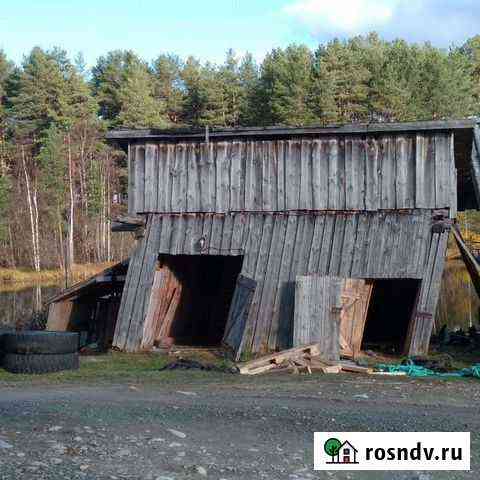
336,172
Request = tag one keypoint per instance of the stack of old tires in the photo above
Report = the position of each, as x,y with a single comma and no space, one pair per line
38,352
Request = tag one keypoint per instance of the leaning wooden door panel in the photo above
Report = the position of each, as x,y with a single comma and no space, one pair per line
317,313
164,300
238,313
154,305
355,295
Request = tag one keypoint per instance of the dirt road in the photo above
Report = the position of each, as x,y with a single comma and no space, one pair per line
218,426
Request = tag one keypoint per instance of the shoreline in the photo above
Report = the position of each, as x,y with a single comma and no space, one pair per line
19,278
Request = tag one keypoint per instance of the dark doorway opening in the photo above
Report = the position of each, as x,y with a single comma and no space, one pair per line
389,313
207,284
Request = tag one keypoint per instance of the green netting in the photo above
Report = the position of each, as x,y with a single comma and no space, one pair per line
413,370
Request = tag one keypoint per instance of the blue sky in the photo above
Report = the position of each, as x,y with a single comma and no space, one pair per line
208,28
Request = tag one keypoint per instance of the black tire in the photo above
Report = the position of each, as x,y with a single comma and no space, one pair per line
3,331
38,363
40,342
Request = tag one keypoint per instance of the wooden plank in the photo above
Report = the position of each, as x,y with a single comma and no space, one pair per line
151,177
59,314
277,358
442,171
421,198
317,308
267,176
269,322
128,294
249,177
337,245
193,201
282,303
334,179
402,169
131,178
238,314
319,178
470,261
372,180
306,195
144,284
162,178
236,178
316,244
327,241
348,248
361,242
258,332
388,168
281,131
204,173
355,296
281,186
292,172
376,245
355,155
153,312
139,179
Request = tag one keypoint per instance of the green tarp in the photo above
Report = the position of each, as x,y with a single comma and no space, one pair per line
413,370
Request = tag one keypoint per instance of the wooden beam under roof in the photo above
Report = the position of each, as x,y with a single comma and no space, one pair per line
286,131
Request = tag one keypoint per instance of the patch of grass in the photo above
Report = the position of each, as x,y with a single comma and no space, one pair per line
116,367
17,279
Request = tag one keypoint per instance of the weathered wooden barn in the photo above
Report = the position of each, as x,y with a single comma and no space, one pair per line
90,307
232,217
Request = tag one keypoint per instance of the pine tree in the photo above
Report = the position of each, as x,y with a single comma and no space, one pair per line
341,75
249,76
138,106
169,86
6,70
393,71
205,102
108,77
284,86
471,50
125,90
40,98
444,88
233,92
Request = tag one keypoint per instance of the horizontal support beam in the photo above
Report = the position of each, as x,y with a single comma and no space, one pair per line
283,131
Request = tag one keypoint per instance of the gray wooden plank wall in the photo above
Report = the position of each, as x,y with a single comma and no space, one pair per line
421,326
336,172
277,248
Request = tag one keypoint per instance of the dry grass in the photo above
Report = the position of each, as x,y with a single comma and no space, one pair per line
118,367
21,278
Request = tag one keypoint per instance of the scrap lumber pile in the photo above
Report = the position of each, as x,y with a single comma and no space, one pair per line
305,359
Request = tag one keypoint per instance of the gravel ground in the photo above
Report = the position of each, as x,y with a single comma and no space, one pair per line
222,427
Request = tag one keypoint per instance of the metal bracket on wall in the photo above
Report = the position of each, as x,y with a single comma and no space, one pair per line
441,221
440,226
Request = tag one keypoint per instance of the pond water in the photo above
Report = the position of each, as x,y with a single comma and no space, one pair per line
18,308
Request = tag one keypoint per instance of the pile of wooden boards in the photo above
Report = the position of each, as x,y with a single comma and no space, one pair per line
305,359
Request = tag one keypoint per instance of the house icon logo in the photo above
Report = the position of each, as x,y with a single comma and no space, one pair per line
340,453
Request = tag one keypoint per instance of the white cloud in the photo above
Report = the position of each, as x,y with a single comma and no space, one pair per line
441,22
346,16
